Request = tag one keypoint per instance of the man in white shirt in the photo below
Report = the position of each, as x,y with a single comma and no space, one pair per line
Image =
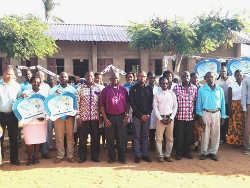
165,108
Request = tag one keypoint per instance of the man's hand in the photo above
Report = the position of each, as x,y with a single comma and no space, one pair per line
107,122
202,124
58,92
145,117
125,120
166,122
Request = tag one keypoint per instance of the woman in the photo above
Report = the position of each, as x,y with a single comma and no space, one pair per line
35,131
236,126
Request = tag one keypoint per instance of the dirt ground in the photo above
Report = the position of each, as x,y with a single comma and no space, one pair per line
232,170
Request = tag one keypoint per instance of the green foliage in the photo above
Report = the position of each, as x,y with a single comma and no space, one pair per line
206,34
25,37
50,5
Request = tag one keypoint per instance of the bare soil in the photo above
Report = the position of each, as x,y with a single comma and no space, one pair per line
232,170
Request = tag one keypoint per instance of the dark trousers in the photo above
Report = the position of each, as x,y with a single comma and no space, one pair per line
224,127
92,128
10,121
184,135
141,131
117,132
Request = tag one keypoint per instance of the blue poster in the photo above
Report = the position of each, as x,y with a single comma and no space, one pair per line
59,106
242,64
26,109
210,65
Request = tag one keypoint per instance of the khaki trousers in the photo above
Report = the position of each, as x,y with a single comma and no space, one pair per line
168,130
246,139
63,126
211,134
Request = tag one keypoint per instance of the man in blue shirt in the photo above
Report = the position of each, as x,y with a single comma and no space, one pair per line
210,107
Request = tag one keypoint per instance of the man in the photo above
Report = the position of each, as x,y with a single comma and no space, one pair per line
224,82
9,91
211,108
186,94
245,102
141,101
26,84
170,77
88,117
64,124
98,78
165,108
114,108
152,126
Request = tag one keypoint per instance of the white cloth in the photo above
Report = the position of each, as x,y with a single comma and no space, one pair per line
152,125
224,84
8,95
45,88
165,103
236,91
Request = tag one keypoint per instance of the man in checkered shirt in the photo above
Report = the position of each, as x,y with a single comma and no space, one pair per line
186,94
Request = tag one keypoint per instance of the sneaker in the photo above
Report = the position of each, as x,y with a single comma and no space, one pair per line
147,159
161,159
168,159
111,161
203,157
178,157
58,160
213,157
245,152
81,160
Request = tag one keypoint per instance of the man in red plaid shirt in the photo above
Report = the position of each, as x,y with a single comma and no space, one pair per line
186,94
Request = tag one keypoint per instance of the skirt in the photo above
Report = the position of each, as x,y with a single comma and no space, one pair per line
236,126
35,132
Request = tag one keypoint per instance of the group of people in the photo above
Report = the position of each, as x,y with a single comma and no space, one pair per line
171,116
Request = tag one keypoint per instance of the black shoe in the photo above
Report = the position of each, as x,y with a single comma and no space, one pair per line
29,162
147,159
137,160
203,157
178,157
122,161
213,157
95,160
188,156
45,156
16,163
111,161
81,160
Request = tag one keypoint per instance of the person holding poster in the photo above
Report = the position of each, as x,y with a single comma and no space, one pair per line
64,124
35,131
9,91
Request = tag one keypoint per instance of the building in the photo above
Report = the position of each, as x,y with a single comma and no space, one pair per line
85,48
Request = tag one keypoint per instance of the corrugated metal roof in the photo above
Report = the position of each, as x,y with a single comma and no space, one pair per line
105,33
91,33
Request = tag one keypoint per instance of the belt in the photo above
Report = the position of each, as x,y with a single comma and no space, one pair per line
166,117
211,111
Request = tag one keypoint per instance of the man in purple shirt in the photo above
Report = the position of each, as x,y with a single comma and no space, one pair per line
114,108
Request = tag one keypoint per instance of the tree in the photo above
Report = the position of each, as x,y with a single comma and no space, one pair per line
49,5
206,34
25,37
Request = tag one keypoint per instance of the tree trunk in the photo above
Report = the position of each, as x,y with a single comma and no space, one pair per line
178,64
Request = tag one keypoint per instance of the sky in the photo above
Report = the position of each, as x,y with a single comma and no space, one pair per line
117,12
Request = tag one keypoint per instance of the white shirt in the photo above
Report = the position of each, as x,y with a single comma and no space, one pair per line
165,103
8,95
236,91
45,88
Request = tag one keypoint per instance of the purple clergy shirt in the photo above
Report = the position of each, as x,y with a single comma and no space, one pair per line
114,100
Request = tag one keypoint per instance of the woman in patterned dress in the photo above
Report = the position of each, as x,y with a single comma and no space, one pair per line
236,125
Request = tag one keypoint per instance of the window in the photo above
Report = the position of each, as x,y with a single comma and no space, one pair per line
132,65
158,67
103,63
59,66
80,67
1,66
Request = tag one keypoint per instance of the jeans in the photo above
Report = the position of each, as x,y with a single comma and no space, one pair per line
141,131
